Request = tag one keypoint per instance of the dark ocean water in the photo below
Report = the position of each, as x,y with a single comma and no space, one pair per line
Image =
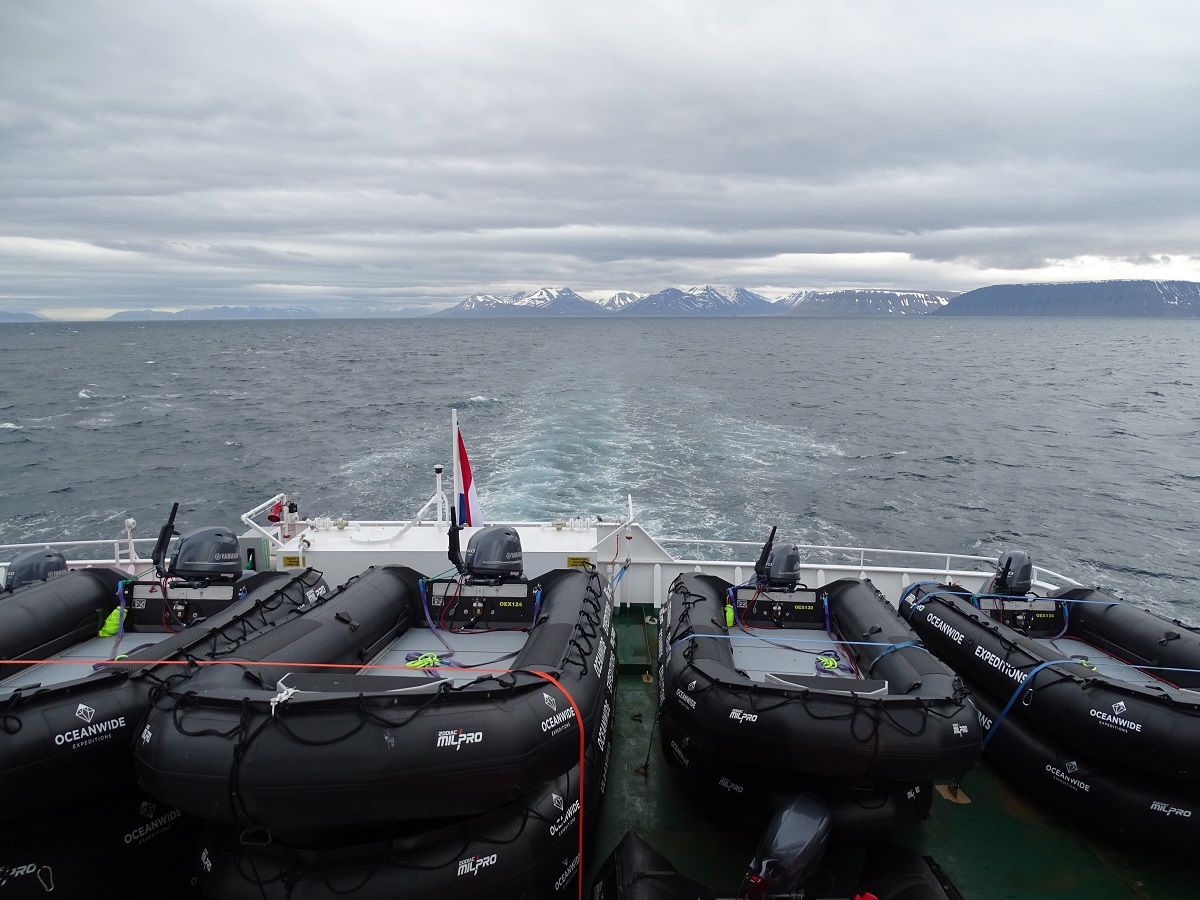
1077,440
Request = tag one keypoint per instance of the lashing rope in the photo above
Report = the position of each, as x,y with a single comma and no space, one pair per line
891,649
246,737
1027,680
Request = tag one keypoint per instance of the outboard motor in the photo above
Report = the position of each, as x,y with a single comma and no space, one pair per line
1014,575
494,553
790,848
207,555
783,567
779,567
34,565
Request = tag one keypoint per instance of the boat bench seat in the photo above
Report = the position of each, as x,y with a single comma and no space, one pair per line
338,683
866,687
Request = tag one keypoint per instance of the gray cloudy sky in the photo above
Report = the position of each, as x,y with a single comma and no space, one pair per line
409,154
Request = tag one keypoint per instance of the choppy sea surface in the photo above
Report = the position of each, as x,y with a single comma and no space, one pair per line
1077,440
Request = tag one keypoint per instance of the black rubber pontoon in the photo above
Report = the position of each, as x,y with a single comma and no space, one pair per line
1136,806
71,721
312,754
527,848
1115,682
826,682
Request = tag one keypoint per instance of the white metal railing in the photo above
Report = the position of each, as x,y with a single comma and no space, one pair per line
652,563
122,553
860,552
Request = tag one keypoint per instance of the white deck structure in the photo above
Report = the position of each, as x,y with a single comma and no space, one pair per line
343,548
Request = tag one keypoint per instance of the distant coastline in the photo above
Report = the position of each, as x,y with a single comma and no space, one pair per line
1132,299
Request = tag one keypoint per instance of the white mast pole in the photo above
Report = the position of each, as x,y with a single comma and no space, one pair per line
454,457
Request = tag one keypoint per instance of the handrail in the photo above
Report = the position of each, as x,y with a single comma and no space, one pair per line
51,544
826,547
123,552
436,500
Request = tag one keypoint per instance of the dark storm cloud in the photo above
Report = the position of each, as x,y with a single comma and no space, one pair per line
156,154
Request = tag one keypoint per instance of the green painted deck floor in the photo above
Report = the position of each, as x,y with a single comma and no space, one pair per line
998,846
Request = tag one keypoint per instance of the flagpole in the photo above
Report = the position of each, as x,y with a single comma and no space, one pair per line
454,473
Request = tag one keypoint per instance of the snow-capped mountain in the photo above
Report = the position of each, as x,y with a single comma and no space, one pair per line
735,297
545,302
478,305
558,301
705,300
863,303
620,300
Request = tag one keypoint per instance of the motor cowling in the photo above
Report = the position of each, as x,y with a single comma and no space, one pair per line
34,565
494,552
1014,575
207,554
783,566
790,849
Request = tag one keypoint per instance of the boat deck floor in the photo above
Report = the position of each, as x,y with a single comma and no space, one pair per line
999,846
762,653
1104,662
65,668
474,652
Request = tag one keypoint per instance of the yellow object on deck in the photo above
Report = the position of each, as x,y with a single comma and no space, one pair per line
112,624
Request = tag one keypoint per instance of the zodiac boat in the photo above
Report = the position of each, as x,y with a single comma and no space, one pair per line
771,686
69,718
786,864
1075,684
397,705
527,847
637,570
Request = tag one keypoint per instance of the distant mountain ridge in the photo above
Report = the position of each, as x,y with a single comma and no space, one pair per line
1128,298
220,312
865,302
703,300
620,300
1141,299
250,312
547,302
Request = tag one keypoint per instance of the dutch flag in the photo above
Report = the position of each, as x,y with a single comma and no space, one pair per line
464,487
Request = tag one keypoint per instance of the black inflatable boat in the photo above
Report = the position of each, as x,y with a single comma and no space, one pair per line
117,842
825,682
1097,675
527,848
430,701
787,864
728,786
1092,794
67,717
